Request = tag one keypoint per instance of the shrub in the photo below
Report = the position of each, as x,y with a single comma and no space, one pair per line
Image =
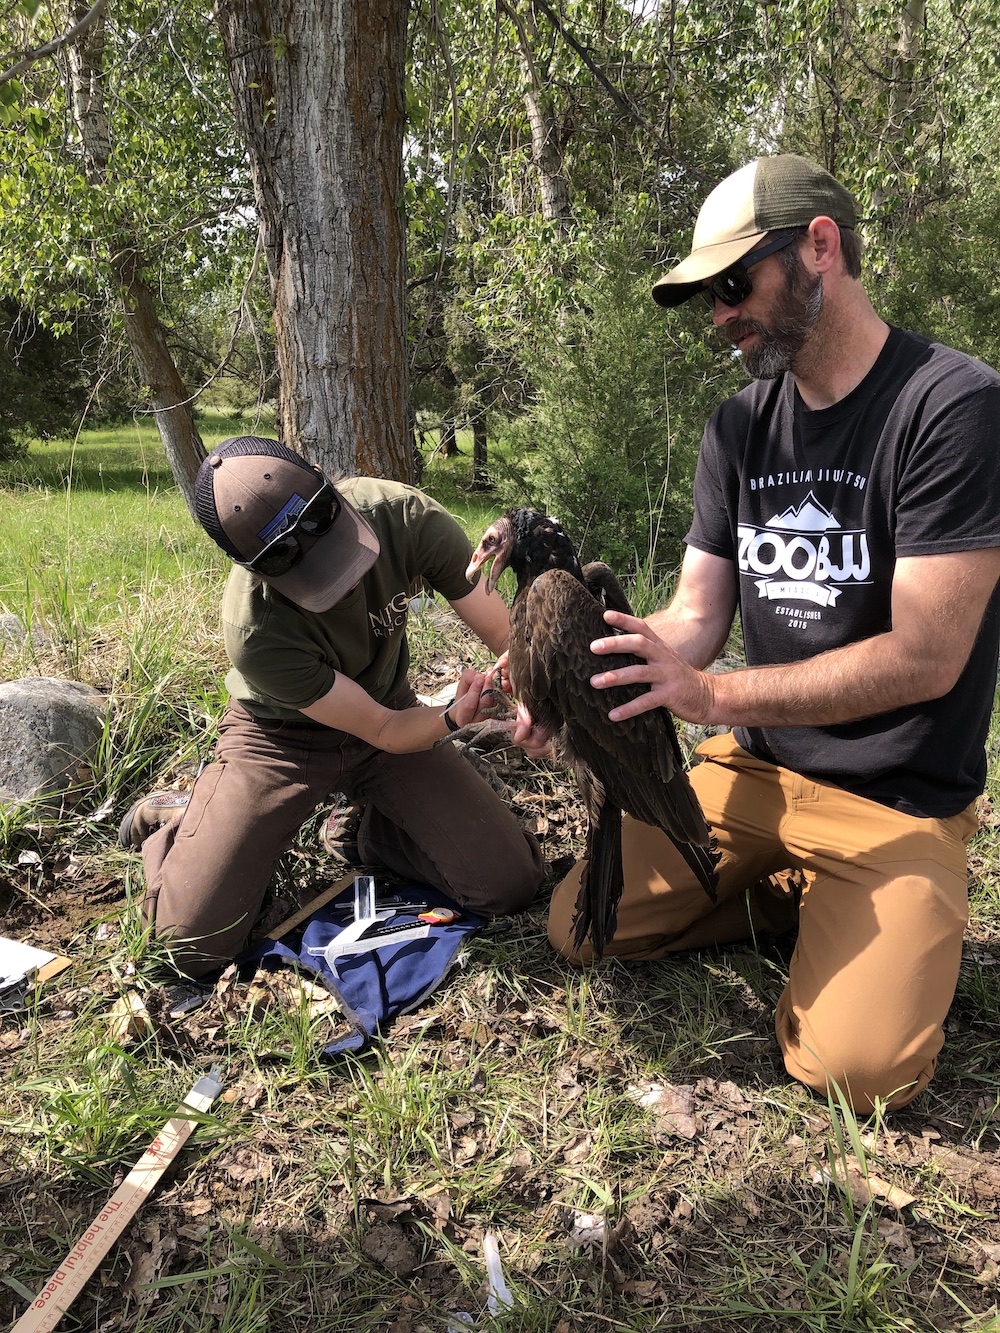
609,440
43,388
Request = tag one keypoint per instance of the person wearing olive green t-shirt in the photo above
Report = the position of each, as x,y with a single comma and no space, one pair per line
314,621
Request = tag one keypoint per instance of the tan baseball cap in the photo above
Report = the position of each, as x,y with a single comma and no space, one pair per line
768,194
251,490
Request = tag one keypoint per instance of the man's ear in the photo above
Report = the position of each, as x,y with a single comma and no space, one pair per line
822,245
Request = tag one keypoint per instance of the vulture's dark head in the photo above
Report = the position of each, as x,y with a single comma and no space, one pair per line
529,542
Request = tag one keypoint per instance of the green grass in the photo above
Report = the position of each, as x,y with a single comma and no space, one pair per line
449,480
86,519
506,1104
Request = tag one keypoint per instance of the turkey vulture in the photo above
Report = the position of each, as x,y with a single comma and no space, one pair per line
634,765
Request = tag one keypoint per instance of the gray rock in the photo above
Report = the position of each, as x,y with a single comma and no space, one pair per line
12,628
49,732
14,633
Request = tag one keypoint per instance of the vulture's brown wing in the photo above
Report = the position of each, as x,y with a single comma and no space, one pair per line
602,582
638,761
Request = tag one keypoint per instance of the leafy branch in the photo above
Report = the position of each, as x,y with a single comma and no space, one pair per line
33,54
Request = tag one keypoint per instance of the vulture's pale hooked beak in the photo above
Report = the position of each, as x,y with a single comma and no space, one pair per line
475,564
481,558
492,547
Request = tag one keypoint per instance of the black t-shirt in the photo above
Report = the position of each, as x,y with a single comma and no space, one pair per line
814,508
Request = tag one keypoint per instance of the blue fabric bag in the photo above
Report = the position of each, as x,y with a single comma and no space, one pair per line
375,986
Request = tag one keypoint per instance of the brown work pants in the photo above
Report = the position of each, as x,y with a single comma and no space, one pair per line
429,816
879,897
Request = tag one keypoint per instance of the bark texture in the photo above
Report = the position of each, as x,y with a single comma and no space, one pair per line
547,155
912,18
318,89
147,338
547,136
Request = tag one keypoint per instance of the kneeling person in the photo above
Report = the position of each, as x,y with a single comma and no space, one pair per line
847,503
314,619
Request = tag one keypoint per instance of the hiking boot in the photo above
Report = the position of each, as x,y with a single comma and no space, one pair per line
338,834
150,813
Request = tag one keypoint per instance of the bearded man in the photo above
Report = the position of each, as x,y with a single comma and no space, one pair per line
847,504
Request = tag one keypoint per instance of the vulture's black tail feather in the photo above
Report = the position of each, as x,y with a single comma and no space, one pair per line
584,915
703,861
601,882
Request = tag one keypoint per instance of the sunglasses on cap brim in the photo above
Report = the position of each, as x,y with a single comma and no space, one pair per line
733,285
284,552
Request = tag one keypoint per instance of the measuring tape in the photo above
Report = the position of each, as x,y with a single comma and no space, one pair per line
72,1275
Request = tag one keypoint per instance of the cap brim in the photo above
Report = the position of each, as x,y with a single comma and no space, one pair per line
333,565
688,277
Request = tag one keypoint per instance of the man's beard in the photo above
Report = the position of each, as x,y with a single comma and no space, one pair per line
796,311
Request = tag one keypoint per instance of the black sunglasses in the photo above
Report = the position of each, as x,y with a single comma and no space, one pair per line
285,551
733,285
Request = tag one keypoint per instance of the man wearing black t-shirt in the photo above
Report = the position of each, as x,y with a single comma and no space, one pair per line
847,503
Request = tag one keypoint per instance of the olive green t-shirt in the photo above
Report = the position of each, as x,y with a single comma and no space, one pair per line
285,658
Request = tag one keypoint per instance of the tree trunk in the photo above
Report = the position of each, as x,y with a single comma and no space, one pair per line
448,445
318,94
480,479
546,136
911,20
172,403
146,335
547,156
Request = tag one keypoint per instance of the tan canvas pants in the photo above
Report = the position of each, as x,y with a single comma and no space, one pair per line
880,899
429,816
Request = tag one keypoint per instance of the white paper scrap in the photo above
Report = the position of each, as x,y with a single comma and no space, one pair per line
499,1298
443,696
18,961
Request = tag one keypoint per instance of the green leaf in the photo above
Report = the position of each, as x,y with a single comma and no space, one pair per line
38,124
11,93
25,1292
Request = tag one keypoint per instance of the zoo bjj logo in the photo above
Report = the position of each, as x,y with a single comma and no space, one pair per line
803,554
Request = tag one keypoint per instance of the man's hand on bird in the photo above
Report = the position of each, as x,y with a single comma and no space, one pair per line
672,682
479,707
